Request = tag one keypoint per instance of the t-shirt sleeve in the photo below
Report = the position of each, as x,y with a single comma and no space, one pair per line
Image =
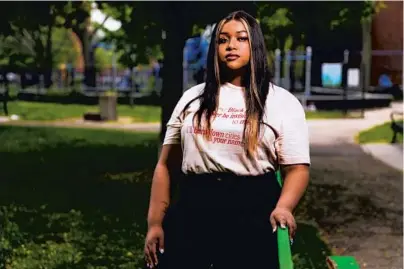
174,124
293,143
173,132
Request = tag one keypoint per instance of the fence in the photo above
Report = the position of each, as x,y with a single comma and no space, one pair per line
137,82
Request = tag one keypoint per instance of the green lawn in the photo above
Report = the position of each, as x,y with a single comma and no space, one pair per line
50,111
74,198
378,134
333,114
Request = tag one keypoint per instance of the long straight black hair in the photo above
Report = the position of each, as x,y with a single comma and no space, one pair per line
256,81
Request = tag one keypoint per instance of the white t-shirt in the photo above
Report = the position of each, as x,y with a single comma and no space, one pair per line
283,139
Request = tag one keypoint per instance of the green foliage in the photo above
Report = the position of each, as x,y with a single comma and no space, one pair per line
140,36
63,49
34,38
79,202
103,58
354,13
378,134
10,235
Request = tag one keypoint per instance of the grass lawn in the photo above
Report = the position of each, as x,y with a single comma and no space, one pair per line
333,114
378,134
74,198
50,111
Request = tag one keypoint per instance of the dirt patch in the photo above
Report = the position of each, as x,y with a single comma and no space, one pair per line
357,201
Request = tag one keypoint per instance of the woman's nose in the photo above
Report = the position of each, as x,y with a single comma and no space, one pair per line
232,44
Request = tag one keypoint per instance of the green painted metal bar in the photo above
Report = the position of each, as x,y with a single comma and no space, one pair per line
284,251
342,262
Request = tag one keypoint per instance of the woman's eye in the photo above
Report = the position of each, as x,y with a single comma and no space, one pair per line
222,40
243,39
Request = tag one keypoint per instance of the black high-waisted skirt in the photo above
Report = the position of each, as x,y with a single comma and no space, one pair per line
221,221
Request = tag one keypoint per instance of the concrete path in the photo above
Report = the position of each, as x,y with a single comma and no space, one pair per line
390,154
334,131
357,200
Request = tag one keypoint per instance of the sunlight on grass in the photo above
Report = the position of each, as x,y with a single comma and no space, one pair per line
329,115
50,111
378,134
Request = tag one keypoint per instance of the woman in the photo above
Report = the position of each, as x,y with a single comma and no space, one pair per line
228,136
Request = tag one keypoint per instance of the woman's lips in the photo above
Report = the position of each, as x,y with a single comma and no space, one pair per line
232,57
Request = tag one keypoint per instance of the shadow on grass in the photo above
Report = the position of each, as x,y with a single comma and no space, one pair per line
80,195
309,250
72,198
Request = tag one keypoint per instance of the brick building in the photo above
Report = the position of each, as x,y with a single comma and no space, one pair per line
387,34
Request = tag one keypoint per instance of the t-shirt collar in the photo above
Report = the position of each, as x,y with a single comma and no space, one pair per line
230,86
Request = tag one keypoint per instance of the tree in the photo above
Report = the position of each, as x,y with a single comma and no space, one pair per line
28,34
78,18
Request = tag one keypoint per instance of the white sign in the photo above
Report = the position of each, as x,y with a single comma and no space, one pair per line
353,77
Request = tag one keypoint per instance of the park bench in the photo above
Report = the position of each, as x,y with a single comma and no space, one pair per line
285,252
396,124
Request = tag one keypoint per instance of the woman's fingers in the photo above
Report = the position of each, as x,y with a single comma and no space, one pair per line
161,244
154,254
282,222
148,258
292,227
154,244
151,255
284,218
273,223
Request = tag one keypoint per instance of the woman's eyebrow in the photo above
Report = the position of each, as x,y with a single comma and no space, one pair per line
238,32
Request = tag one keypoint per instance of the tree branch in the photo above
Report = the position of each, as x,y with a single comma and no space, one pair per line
99,27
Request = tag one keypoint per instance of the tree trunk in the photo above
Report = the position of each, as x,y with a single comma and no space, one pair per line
366,53
6,94
292,67
47,70
172,75
88,53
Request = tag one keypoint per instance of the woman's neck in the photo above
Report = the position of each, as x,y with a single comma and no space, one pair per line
235,78
236,81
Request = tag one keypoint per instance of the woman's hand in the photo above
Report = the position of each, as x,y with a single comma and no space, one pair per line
284,217
154,239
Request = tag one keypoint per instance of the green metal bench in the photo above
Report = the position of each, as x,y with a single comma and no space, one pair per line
396,124
285,252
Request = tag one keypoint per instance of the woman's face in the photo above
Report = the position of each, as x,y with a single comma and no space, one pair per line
234,45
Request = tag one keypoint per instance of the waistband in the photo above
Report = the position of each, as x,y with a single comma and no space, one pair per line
229,177
223,190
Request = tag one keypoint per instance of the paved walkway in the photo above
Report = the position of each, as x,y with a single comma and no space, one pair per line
390,154
324,132
357,200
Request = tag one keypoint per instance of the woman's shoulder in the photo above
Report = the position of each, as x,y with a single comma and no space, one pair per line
191,93
283,98
194,91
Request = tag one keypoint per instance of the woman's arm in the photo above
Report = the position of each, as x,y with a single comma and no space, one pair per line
296,179
169,163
